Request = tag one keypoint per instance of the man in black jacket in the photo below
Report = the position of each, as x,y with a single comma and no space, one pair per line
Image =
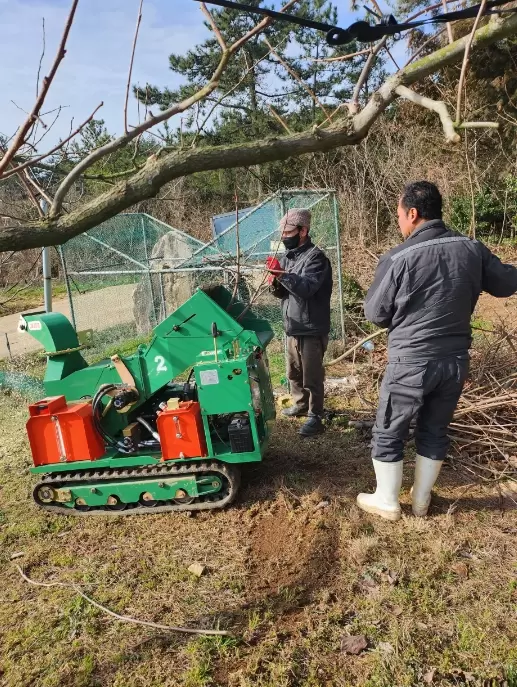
304,284
424,292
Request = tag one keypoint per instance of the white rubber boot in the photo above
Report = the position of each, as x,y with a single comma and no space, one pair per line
385,501
426,474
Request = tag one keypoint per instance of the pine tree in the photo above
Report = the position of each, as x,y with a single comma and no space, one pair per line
257,80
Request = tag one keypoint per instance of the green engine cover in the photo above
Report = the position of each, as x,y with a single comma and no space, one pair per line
223,342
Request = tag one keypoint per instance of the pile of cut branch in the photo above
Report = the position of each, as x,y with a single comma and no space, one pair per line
484,430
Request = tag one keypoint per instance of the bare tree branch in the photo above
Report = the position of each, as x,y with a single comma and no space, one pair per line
131,62
448,25
37,186
36,117
175,109
214,27
41,58
279,119
438,106
397,66
22,177
160,170
353,106
111,177
424,46
472,228
339,58
478,125
466,59
429,9
26,127
33,161
238,252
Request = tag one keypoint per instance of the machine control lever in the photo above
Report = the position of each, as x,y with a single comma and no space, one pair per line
177,327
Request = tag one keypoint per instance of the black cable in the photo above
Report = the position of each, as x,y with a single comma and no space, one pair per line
362,31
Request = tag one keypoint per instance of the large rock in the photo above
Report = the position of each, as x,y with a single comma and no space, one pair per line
157,295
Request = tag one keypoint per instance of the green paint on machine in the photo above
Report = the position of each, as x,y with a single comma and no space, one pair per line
147,492
224,347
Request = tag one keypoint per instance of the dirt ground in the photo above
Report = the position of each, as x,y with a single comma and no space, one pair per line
292,569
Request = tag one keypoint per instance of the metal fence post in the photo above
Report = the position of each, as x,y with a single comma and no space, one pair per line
47,271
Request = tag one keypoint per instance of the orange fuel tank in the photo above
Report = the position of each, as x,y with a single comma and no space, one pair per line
61,432
181,432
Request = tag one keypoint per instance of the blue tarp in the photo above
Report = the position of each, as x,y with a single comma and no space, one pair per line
221,222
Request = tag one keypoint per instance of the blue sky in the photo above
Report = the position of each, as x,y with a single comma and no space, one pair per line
96,65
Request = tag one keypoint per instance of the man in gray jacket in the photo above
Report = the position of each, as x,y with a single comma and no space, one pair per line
424,292
304,283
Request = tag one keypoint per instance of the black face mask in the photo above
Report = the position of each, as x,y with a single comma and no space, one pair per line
292,242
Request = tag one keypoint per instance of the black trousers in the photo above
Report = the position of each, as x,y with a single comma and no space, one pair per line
428,390
306,372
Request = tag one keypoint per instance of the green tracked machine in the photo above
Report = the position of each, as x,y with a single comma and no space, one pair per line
165,429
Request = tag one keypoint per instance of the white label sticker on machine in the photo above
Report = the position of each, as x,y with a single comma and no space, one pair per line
35,326
209,377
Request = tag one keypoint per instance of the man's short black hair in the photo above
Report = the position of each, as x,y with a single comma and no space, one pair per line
424,197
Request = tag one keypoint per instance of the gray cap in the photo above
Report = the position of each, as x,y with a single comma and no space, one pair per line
296,217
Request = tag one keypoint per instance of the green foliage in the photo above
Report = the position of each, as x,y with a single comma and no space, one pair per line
254,79
239,109
495,213
488,212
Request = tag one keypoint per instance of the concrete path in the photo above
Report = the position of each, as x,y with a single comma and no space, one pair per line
95,310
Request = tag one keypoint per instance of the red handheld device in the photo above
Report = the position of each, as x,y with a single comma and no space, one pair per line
272,264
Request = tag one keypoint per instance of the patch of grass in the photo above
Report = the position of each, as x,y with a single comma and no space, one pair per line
288,580
101,350
20,298
510,674
202,654
478,321
276,369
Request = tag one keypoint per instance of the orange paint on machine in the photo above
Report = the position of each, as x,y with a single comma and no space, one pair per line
181,431
61,432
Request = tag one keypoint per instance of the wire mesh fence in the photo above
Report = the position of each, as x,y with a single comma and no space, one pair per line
129,273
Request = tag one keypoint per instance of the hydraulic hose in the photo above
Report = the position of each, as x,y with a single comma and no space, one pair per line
148,427
99,395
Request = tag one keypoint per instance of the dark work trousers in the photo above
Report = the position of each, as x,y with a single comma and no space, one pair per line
429,391
306,372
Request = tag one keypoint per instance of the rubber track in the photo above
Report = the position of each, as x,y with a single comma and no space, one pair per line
229,473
